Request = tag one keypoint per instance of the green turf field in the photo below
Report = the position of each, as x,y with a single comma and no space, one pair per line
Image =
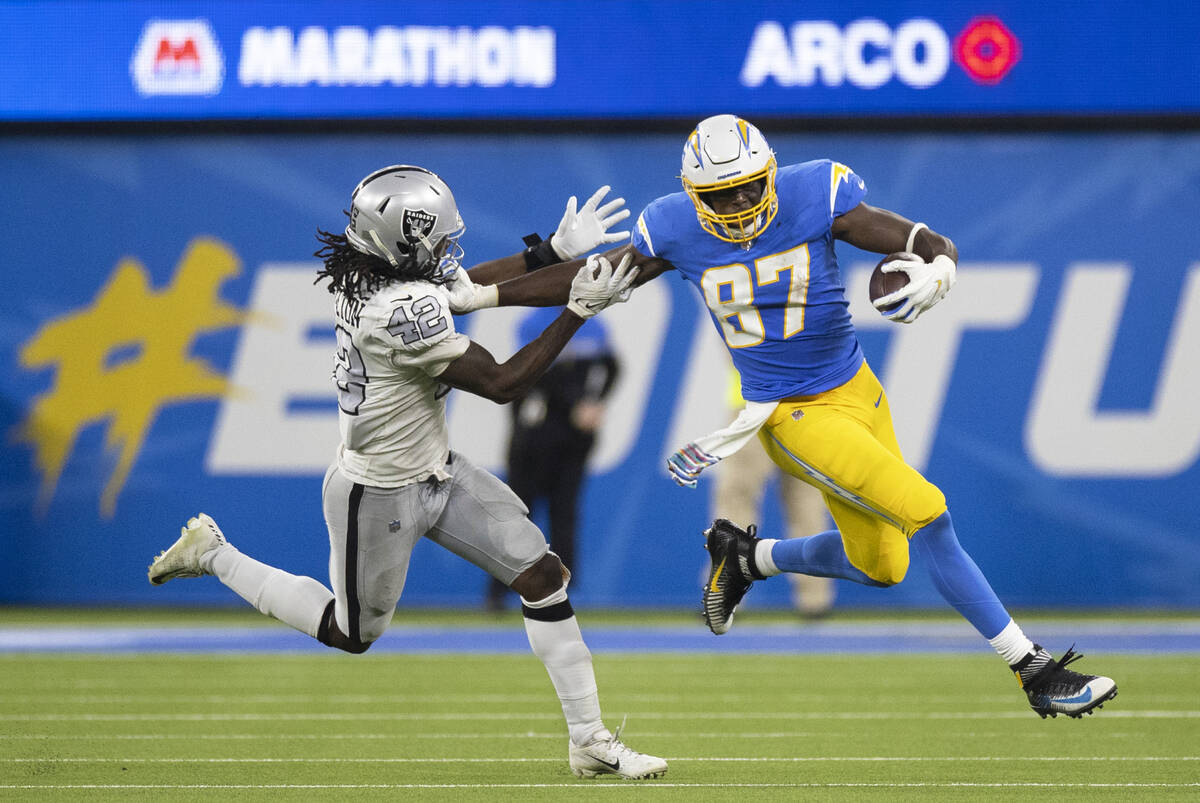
734,727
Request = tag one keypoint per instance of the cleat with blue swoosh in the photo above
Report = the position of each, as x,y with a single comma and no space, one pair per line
733,570
1053,689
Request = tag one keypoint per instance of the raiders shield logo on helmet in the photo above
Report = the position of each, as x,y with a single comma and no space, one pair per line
417,224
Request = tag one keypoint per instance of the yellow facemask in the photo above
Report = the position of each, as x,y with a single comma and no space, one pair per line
738,227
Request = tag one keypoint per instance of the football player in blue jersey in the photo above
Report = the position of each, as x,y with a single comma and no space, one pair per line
757,242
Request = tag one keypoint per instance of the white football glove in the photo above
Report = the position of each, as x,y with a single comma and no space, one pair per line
466,296
686,464
580,232
928,283
598,284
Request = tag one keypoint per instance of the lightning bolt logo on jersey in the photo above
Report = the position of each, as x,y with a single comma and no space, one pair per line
778,301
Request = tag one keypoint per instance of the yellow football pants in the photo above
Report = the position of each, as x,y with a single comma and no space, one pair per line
842,442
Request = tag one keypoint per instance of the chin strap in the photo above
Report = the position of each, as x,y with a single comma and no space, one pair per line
425,241
386,253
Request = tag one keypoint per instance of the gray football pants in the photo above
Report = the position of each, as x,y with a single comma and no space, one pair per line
372,532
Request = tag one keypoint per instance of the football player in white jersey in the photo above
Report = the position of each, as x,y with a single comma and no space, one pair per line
395,479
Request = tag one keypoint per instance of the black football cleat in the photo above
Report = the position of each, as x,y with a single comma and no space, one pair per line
732,552
1053,689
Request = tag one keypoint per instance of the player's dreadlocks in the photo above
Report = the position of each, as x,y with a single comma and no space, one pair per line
350,271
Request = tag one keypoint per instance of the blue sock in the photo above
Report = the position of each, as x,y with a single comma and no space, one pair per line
958,579
820,555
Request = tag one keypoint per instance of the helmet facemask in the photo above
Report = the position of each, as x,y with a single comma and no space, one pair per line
449,258
743,226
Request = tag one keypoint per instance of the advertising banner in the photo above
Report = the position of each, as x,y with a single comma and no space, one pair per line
472,59
166,352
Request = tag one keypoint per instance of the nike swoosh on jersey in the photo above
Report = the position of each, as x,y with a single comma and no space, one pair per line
716,575
877,401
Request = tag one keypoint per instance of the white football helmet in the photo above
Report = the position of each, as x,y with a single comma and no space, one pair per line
726,151
407,215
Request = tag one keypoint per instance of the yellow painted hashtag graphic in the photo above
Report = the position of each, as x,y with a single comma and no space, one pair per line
124,358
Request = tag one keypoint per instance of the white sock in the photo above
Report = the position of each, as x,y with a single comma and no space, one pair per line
762,557
1011,643
559,645
292,599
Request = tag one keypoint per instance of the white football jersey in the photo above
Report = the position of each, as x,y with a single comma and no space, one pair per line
392,409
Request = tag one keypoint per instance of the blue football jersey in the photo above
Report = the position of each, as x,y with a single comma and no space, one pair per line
780,304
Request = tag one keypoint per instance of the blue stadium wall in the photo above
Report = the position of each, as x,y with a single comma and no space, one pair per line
164,352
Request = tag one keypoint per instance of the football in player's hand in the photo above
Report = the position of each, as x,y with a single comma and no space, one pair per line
883,284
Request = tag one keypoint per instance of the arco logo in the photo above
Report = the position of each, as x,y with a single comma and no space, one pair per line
986,50
868,53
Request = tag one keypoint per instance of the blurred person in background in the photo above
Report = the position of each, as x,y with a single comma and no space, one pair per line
741,483
395,479
554,429
757,242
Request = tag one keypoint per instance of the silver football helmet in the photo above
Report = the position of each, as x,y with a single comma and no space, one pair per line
407,216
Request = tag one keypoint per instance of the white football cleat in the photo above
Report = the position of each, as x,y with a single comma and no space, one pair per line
609,756
183,558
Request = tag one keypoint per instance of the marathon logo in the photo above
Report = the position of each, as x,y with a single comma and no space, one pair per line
412,55
177,57
868,53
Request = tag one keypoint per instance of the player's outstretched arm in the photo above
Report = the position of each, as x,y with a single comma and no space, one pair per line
478,372
495,271
597,284
544,288
551,286
547,287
